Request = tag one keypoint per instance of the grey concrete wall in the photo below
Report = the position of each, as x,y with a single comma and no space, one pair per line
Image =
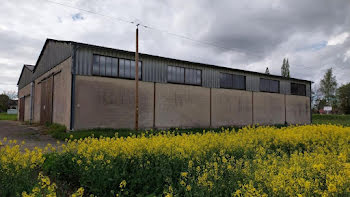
231,107
182,106
62,94
37,101
27,108
297,109
110,103
268,108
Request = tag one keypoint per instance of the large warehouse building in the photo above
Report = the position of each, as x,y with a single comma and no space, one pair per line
85,86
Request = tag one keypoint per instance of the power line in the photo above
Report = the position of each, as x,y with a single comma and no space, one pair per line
203,42
167,32
92,12
159,30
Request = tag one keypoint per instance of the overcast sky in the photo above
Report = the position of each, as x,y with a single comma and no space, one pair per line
313,34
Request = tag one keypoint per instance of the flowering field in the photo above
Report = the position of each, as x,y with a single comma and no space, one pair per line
292,161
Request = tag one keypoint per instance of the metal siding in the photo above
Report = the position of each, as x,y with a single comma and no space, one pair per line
26,78
308,89
154,69
211,78
254,83
285,87
54,53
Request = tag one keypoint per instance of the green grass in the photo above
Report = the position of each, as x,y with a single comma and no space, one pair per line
59,132
331,119
5,116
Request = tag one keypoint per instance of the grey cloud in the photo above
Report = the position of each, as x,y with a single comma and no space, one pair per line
261,28
15,45
261,33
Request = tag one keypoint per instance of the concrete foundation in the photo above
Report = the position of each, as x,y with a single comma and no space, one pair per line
27,108
297,109
61,91
268,108
37,102
110,103
182,106
62,95
231,107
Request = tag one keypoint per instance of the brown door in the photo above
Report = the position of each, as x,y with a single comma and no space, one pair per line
46,101
21,109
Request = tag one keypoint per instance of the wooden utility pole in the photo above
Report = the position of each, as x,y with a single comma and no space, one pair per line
137,79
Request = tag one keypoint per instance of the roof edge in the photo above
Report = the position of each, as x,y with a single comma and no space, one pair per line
168,58
23,67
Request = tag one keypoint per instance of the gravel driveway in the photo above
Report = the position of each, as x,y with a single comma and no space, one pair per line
33,136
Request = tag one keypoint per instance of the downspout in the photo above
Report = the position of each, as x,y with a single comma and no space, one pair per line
31,102
310,104
72,105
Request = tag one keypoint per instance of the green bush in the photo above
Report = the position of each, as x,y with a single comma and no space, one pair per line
310,160
57,131
14,181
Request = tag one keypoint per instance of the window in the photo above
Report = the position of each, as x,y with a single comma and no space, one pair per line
184,75
109,67
232,81
193,76
176,74
268,85
127,68
105,66
298,89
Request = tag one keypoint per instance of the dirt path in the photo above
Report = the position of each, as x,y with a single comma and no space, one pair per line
33,136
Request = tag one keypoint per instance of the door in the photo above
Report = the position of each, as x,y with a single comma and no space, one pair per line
21,109
46,101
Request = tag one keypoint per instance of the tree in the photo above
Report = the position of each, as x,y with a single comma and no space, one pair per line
11,94
328,86
285,68
343,94
267,71
4,102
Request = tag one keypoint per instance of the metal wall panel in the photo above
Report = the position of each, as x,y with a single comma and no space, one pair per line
53,54
253,83
211,78
25,78
155,69
284,87
308,90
